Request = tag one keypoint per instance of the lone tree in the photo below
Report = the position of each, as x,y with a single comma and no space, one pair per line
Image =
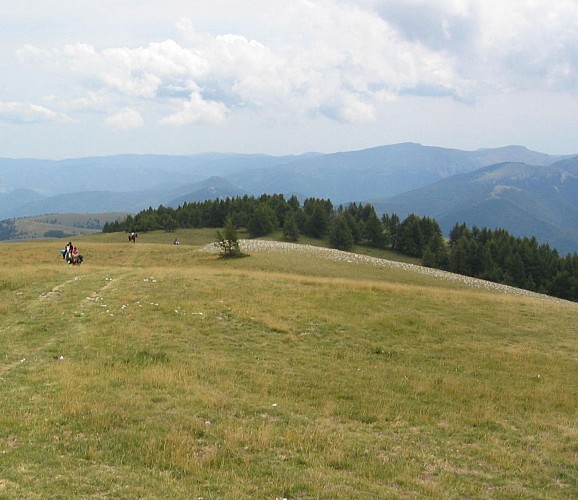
228,242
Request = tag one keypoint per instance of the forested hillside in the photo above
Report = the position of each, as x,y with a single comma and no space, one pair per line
494,255
527,200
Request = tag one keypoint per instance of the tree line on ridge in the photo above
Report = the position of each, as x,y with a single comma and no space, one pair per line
494,255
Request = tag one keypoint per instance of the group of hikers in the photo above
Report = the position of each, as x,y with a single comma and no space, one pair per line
70,254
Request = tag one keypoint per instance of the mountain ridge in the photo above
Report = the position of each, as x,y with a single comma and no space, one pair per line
526,200
384,175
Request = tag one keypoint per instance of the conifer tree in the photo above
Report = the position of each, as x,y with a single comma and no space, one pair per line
228,242
340,236
290,228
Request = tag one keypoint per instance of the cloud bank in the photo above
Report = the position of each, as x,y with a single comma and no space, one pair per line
20,113
341,60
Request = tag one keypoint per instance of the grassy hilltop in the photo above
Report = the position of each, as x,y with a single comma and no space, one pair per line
158,371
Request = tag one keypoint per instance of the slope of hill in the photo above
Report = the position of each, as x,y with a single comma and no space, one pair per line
382,171
210,189
275,376
124,173
131,183
12,201
63,225
124,201
343,177
523,199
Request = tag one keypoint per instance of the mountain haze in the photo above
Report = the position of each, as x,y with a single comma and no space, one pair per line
523,199
382,171
524,191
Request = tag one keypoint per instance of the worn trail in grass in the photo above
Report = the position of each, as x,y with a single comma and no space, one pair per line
155,371
36,323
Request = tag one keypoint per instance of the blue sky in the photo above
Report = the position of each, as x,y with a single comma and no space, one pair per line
180,77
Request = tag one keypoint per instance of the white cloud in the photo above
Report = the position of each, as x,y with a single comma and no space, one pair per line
126,119
20,112
344,59
90,102
348,108
494,45
287,63
525,45
197,110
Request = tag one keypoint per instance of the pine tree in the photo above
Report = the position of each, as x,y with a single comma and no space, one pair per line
340,236
229,241
262,221
317,223
374,230
290,228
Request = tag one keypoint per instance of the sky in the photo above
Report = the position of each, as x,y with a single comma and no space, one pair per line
91,78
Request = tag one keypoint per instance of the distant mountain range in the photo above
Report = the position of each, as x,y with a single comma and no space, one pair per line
524,199
525,192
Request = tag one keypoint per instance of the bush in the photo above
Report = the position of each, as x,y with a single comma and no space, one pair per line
55,233
229,241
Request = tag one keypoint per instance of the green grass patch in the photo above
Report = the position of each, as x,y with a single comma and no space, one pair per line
156,371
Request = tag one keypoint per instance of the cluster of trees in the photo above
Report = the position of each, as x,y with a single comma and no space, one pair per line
494,255
260,216
7,229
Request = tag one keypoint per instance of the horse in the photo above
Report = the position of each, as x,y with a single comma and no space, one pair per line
132,237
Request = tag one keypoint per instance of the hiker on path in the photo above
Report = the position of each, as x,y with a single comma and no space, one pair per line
68,251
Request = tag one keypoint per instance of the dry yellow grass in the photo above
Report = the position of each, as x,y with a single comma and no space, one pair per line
155,371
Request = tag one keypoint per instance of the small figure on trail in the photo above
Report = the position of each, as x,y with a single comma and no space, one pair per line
71,255
75,255
132,236
67,255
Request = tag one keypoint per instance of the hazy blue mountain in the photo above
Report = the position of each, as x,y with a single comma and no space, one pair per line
523,199
86,174
355,175
11,200
382,171
111,183
210,189
125,172
120,201
129,183
85,202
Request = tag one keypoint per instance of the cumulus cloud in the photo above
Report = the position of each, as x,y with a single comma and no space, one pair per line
197,110
530,44
341,59
125,119
345,59
20,112
495,46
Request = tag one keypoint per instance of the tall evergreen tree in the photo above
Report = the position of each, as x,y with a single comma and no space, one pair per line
411,239
391,223
290,227
317,223
374,230
262,221
340,236
228,242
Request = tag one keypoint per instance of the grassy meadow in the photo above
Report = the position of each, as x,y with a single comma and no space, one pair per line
158,371
71,224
